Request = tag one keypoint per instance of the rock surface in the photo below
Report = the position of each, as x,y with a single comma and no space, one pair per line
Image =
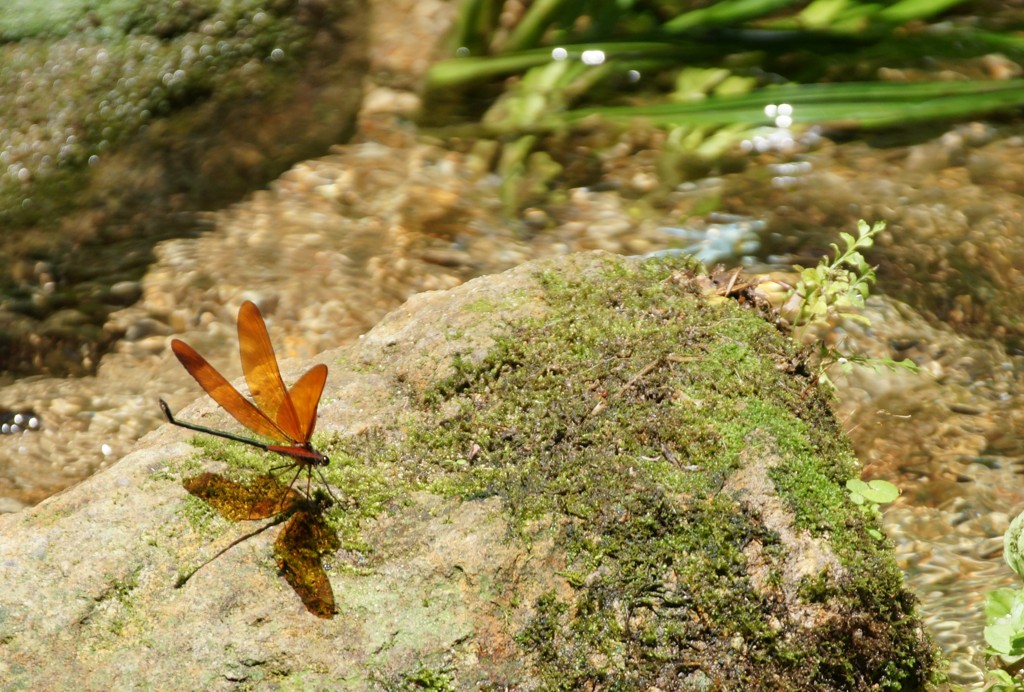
120,120
583,471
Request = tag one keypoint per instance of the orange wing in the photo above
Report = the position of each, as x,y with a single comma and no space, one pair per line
221,391
262,374
305,396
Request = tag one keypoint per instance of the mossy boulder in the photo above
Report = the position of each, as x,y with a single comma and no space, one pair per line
121,119
132,106
585,473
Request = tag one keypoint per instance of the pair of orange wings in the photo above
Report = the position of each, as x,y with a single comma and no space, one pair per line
285,415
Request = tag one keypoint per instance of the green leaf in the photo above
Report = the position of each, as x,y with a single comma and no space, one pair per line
877,491
998,636
998,603
1003,681
1013,545
693,83
1004,615
906,364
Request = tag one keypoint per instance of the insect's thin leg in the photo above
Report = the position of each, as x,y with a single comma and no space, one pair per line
284,495
323,480
282,466
298,470
275,472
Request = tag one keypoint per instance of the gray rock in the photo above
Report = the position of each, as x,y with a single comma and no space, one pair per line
582,472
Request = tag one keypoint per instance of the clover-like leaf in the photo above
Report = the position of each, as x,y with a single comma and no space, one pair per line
1013,545
878,492
1004,615
999,603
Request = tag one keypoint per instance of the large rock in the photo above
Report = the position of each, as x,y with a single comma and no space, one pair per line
122,119
582,473
167,104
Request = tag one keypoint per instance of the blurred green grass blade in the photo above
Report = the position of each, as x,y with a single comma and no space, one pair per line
463,71
908,10
475,25
821,13
886,91
835,105
726,13
991,40
527,33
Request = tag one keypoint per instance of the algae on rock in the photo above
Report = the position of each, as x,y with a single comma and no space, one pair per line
692,478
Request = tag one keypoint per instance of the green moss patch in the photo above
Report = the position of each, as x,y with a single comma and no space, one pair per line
614,422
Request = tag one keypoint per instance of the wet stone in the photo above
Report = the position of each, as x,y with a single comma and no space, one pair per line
126,292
